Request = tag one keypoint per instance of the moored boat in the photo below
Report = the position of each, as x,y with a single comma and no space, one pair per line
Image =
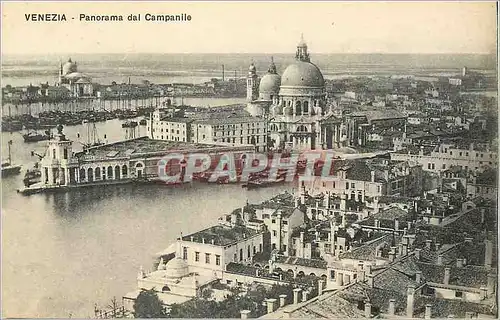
8,168
35,136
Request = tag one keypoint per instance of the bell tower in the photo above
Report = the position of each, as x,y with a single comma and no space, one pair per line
252,84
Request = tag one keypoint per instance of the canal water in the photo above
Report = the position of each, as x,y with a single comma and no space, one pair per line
62,253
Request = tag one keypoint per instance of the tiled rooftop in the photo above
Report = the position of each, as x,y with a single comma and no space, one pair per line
221,235
314,263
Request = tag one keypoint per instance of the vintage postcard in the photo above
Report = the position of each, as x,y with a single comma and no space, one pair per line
249,159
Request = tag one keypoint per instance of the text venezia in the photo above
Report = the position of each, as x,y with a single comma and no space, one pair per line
42,17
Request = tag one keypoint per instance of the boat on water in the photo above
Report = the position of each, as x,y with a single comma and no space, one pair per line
10,126
93,139
129,124
36,136
261,183
32,176
8,168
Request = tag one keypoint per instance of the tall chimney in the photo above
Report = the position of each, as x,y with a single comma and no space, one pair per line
405,249
392,307
368,310
428,244
488,253
446,279
223,73
438,246
417,253
428,311
369,278
492,280
392,255
410,301
440,260
296,292
418,277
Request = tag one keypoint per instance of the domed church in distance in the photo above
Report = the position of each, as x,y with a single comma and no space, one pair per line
294,102
78,83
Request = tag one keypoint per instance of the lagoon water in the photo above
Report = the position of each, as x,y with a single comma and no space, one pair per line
63,252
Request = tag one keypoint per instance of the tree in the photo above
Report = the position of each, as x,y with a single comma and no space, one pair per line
195,308
148,305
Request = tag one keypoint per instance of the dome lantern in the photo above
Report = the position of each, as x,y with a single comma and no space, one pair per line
272,67
302,54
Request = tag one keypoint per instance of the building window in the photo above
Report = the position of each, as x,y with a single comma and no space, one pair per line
207,257
65,154
241,254
53,153
347,185
285,222
254,250
184,253
197,256
458,294
217,260
275,233
273,221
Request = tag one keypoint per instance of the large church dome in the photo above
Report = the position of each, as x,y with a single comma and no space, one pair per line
302,74
69,67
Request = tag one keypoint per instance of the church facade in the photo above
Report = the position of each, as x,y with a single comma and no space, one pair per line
295,104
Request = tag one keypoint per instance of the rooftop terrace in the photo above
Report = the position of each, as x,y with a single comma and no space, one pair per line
145,145
220,235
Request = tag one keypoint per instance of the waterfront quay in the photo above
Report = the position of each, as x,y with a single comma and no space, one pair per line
119,162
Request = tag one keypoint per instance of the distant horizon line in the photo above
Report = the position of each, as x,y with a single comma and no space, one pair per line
249,53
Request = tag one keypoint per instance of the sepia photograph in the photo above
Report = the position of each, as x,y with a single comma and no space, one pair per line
252,159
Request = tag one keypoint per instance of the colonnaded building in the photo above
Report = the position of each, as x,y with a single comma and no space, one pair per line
295,104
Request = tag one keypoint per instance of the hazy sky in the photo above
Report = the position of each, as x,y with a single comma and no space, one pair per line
255,27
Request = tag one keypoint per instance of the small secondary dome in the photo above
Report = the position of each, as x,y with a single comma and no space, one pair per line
271,81
302,74
176,268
